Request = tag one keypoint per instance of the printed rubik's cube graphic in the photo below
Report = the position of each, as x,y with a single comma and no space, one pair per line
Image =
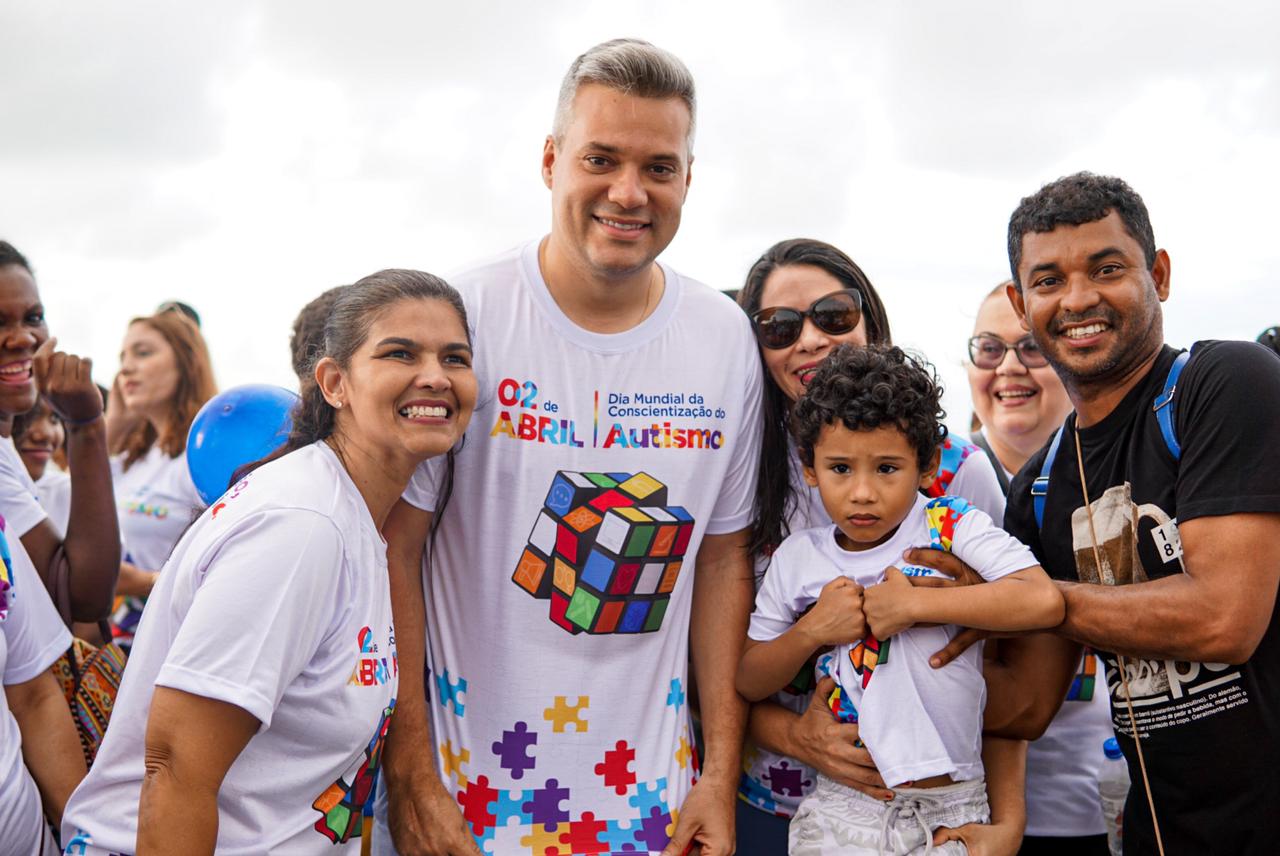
606,550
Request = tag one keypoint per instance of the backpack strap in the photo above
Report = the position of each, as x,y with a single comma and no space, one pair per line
1040,487
1164,410
1163,405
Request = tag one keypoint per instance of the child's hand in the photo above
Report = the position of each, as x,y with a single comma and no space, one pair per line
837,617
887,605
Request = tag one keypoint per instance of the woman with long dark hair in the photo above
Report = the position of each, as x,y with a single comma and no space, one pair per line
805,298
261,683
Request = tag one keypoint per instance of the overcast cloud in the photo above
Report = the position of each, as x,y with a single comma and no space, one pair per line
246,156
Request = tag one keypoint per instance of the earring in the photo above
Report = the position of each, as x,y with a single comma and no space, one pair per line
337,405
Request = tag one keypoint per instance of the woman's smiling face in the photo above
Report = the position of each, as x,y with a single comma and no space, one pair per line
797,287
1011,400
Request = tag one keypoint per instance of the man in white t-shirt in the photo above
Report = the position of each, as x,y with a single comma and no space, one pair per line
594,537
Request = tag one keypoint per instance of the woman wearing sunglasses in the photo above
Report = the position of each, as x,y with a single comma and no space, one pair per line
805,298
1020,402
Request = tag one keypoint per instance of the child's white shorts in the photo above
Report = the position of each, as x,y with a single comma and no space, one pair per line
837,819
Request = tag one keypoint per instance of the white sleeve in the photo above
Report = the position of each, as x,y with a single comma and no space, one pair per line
987,548
776,602
262,607
976,481
33,632
425,484
736,501
18,504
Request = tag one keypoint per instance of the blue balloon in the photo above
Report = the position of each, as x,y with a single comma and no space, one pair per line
234,428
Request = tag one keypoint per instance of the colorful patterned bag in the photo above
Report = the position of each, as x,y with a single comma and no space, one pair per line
89,675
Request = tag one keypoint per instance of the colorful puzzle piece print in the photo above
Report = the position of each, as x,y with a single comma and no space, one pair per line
783,779
675,697
546,842
475,800
942,515
513,749
684,753
451,693
867,655
563,714
606,550
649,796
544,805
1083,684
583,836
655,830
453,762
953,455
341,806
613,769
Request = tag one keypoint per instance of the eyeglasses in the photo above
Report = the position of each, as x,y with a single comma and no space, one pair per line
836,313
987,352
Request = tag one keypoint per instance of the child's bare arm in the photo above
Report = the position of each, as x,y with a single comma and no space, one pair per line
1024,600
836,618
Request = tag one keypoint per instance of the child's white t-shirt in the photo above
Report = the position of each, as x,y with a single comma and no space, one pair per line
32,637
276,601
916,721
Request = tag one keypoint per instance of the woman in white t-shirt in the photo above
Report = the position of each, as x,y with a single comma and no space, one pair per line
165,378
259,690
40,756
1020,402
807,297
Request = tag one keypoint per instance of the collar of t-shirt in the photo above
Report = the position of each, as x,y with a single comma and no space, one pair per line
881,555
604,343
1121,418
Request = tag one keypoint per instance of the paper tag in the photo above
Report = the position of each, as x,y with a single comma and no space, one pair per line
1168,541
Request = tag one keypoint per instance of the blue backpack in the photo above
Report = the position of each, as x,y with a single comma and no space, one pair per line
1163,406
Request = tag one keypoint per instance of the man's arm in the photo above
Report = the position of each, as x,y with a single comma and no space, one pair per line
722,595
92,542
422,815
1229,586
50,746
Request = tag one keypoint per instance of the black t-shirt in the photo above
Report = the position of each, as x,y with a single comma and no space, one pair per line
1210,733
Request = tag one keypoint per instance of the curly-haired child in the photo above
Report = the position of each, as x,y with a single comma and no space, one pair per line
868,430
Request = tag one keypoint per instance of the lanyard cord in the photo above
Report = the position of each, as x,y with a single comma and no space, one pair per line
1124,672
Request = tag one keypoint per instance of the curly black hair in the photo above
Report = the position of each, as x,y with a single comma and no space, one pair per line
864,388
1074,200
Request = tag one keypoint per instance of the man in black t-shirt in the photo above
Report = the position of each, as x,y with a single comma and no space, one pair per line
1173,562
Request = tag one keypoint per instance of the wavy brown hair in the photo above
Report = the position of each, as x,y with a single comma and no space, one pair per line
195,386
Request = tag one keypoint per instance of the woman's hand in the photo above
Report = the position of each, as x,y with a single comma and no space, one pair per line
820,740
836,619
66,382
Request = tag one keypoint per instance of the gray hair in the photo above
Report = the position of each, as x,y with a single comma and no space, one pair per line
631,66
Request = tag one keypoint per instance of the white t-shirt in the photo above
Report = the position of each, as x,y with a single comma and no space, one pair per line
18,503
559,605
32,637
276,601
775,783
1063,765
53,490
155,502
916,721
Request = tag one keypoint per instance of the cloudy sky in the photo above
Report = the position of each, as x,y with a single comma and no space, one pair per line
245,156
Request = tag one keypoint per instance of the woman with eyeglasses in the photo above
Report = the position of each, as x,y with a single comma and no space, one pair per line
1020,402
805,298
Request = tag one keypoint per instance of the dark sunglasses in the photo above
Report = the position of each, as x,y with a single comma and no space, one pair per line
987,352
836,313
